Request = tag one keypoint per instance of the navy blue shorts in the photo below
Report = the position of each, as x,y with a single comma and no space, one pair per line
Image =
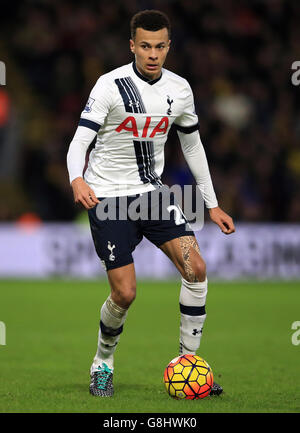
118,224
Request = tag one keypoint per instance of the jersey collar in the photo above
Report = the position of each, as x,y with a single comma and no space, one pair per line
151,82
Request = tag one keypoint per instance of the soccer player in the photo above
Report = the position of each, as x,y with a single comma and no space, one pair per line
130,111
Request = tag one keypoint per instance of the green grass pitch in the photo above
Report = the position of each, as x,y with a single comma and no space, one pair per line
51,335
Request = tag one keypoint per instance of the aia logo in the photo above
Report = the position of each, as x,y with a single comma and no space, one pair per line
129,124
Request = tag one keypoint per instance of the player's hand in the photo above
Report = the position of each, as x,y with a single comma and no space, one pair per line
224,221
83,193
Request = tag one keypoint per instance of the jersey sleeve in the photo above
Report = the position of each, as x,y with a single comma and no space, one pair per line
195,157
91,120
97,106
187,122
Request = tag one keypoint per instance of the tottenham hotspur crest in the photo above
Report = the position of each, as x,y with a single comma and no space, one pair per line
170,102
111,247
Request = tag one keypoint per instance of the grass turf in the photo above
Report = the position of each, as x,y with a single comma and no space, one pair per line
51,335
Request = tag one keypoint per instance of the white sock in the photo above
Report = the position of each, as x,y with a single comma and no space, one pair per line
192,315
111,326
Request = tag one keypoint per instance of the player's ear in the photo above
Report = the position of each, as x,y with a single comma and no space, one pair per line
132,46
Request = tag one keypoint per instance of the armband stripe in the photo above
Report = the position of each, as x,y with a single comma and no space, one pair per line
187,129
89,124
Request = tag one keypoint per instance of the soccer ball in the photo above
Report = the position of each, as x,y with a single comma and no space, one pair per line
188,376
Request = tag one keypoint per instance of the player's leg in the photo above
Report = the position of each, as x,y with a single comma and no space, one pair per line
114,242
175,237
184,252
177,241
113,313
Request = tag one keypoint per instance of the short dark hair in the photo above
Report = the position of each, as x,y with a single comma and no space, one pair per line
151,20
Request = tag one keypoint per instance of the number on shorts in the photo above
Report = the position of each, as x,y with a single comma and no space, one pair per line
178,214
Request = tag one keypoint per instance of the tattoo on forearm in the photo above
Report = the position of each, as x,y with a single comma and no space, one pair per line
186,243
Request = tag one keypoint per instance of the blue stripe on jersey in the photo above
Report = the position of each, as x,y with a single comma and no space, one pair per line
131,96
136,94
89,124
150,155
145,161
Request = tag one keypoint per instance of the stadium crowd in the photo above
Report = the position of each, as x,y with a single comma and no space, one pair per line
237,57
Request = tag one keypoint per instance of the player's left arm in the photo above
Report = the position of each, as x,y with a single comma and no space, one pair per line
194,153
222,219
195,157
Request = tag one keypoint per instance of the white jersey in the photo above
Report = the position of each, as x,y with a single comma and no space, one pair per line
132,117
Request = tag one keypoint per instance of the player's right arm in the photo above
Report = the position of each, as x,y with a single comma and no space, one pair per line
92,117
83,193
75,162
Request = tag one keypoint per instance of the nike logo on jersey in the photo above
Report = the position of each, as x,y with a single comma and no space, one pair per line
130,125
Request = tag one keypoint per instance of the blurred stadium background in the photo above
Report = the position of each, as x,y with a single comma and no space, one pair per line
237,57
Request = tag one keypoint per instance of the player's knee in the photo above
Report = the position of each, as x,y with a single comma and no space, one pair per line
126,296
197,271
200,270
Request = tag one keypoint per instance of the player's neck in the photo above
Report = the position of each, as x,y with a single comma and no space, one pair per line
143,77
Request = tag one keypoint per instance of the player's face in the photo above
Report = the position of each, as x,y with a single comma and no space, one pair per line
150,49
